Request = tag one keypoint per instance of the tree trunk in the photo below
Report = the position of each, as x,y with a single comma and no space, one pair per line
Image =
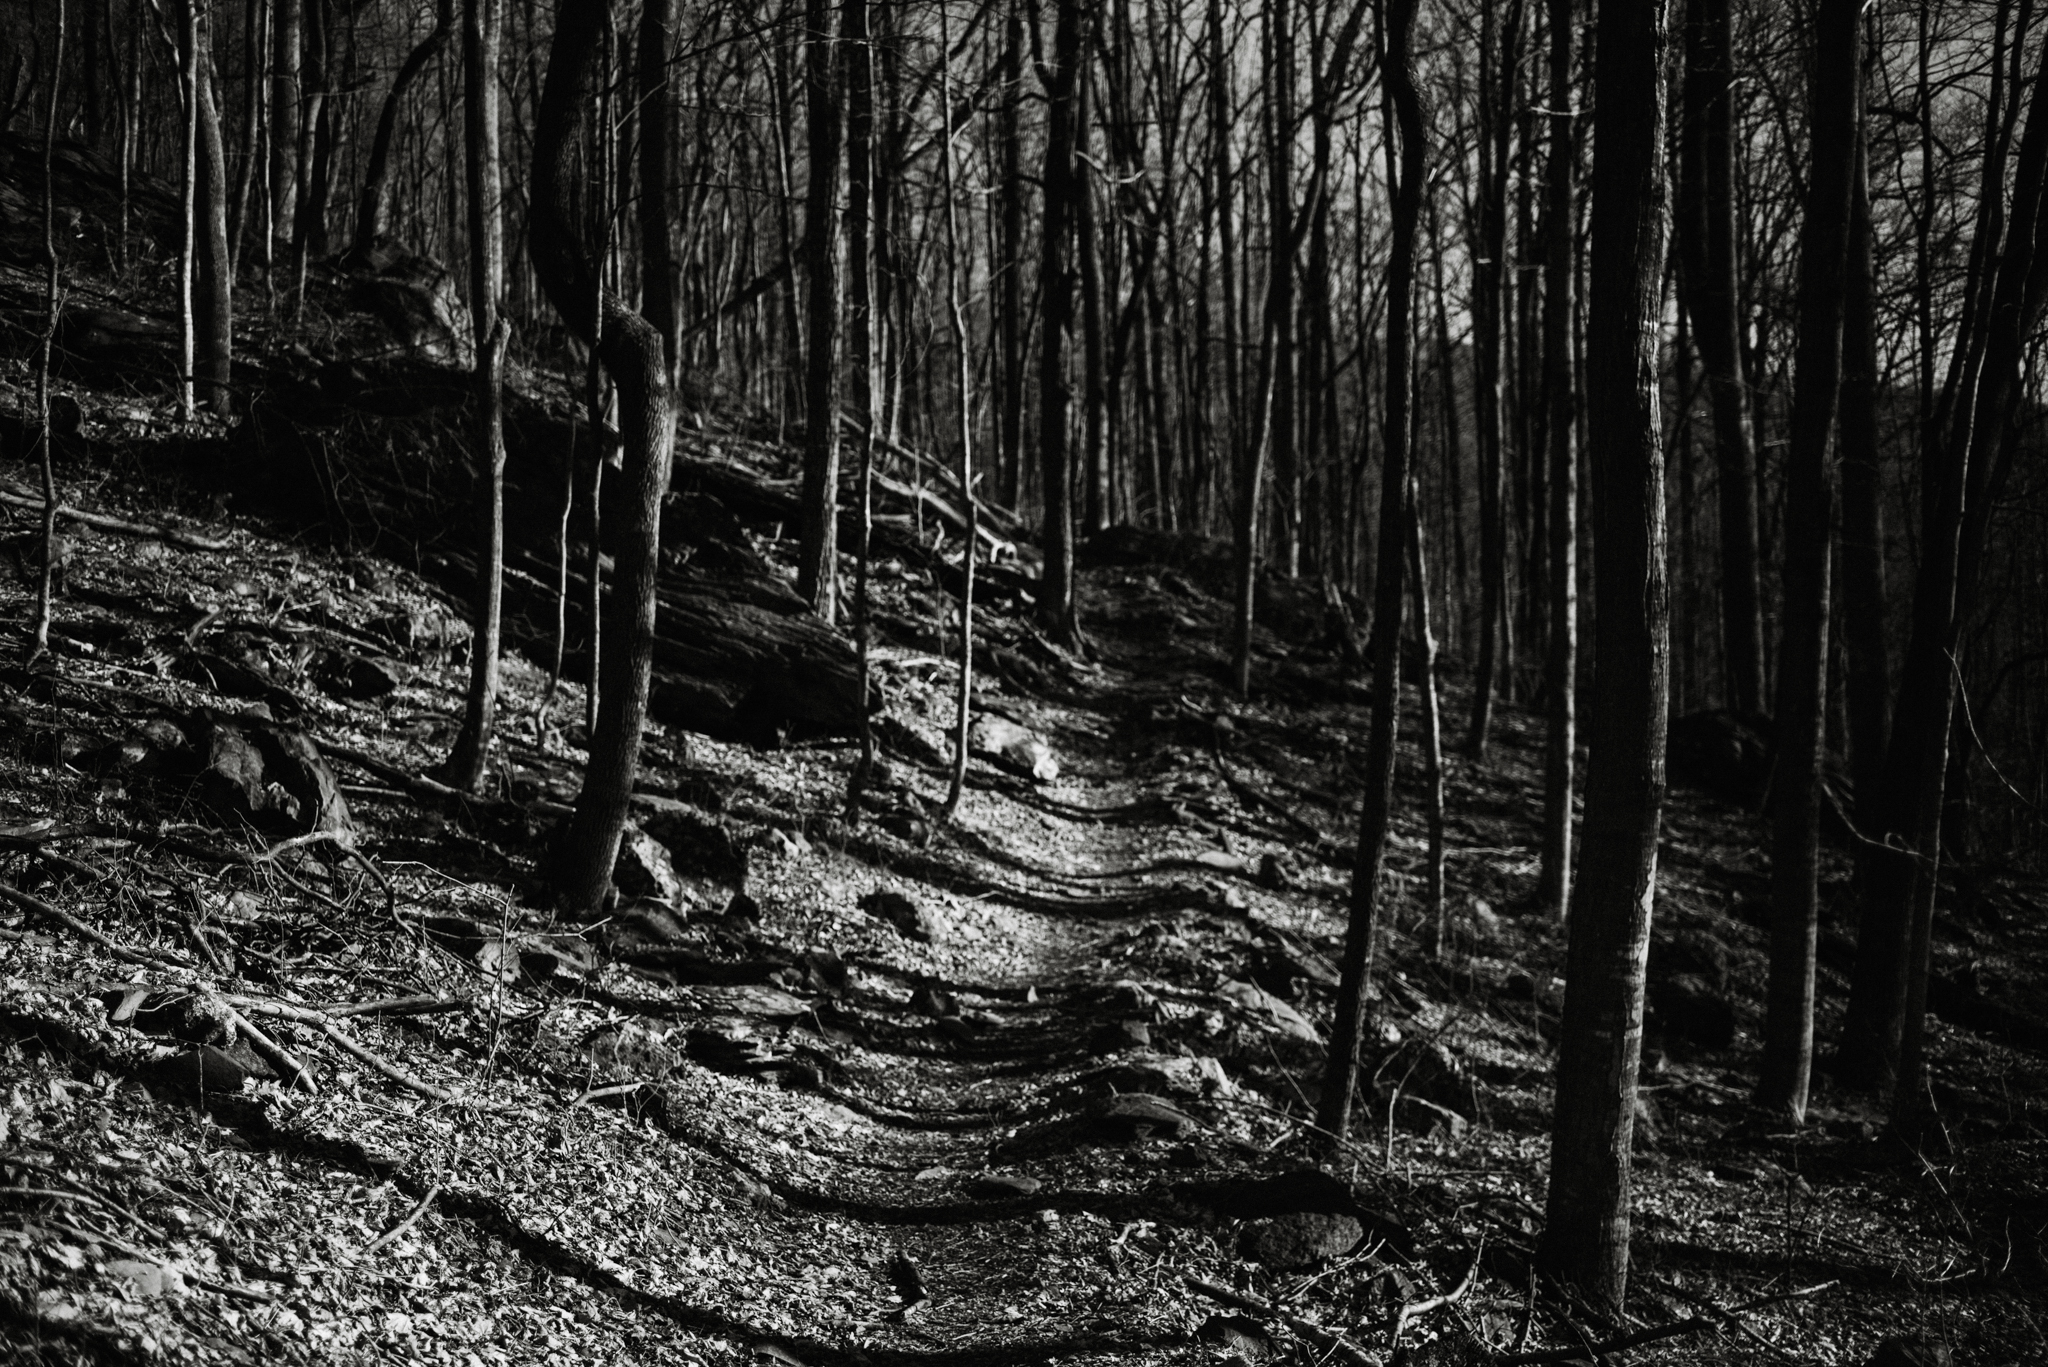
39,629
464,768
1063,188
286,32
252,105
1554,878
188,201
1706,245
1098,500
818,548
1834,113
214,308
1280,253
1867,680
1010,267
860,335
1585,1240
632,352
1436,909
1340,1081
963,707
659,227
373,210
1892,942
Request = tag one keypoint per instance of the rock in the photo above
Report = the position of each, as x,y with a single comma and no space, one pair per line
697,842
295,762
644,869
934,1002
358,678
202,1070
1690,1011
1139,1115
146,1281
268,776
825,971
231,785
1242,1336
1113,1037
1003,1186
1013,747
1269,1011
1426,1117
1911,1350
912,920
646,924
1166,1074
1301,1239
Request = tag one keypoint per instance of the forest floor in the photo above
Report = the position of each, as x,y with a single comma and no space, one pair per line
1029,1085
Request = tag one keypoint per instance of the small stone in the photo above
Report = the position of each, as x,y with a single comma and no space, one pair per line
1114,1037
911,919
1301,1239
1003,1186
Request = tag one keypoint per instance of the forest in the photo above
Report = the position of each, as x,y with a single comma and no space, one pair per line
997,681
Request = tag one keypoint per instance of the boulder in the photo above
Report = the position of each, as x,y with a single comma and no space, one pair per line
645,870
1013,747
1301,1239
272,777
1133,1116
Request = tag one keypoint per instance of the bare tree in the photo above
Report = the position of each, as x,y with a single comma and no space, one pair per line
1063,189
373,210
1405,132
1585,1238
632,352
818,549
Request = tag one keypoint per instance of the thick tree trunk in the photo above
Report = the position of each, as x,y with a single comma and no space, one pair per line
188,202
1340,1079
1706,244
1867,680
373,210
632,352
465,766
1834,113
659,228
1098,498
1010,266
1056,275
818,547
1585,1239
1554,878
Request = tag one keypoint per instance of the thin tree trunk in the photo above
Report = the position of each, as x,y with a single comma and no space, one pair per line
1097,504
659,227
860,338
252,107
373,210
1835,111
1707,250
1063,188
465,766
1586,1234
632,351
188,201
39,631
214,309
1280,255
1554,877
963,708
1867,680
1436,910
286,32
1404,125
818,546
1010,319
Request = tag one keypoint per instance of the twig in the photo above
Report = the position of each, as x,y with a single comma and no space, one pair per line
616,1089
1417,1309
1690,1325
320,1021
39,907
400,1006
296,1074
412,1218
1320,1335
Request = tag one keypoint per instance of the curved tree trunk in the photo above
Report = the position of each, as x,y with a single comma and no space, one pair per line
1835,110
632,351
373,209
1585,1238
1376,809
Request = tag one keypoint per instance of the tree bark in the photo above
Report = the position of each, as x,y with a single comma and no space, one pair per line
818,547
214,307
286,32
1010,266
1436,908
1585,1240
1280,254
188,200
632,352
1706,245
1554,877
465,766
1340,1080
373,209
659,227
1834,111
1056,274
860,333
